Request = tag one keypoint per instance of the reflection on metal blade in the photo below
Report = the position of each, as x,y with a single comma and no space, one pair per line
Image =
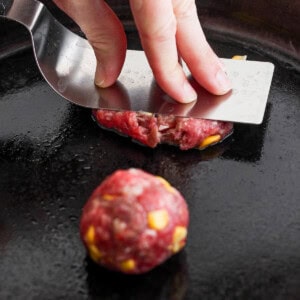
136,90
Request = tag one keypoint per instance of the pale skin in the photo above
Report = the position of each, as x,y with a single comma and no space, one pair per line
168,29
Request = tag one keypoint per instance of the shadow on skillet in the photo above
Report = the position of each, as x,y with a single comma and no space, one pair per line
251,137
171,281
168,281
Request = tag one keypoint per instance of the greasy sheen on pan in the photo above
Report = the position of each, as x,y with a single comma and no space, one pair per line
151,130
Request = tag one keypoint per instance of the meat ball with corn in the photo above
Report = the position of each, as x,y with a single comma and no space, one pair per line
134,221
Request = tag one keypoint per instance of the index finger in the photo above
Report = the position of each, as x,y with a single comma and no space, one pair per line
156,24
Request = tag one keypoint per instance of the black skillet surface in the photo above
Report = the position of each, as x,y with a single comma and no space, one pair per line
244,238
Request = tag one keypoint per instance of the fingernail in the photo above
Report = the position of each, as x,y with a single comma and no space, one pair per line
224,84
189,93
100,77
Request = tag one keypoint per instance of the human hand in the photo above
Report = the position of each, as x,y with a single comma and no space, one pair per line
168,29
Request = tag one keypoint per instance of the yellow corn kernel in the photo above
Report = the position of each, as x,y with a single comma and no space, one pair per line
90,235
146,113
239,57
166,184
177,247
179,235
158,219
209,141
127,265
108,197
94,252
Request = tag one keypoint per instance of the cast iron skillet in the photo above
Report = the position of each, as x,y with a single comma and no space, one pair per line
243,195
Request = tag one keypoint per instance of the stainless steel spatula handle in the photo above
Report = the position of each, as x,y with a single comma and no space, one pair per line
66,60
26,12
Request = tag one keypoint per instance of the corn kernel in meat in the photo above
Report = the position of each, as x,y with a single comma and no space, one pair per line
210,140
90,235
158,219
127,265
108,197
179,235
95,253
239,57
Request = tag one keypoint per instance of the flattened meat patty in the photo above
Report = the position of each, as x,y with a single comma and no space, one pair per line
151,130
134,221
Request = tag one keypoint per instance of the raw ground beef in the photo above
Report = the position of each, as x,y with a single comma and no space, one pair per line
134,221
151,130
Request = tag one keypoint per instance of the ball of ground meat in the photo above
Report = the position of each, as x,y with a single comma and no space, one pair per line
134,221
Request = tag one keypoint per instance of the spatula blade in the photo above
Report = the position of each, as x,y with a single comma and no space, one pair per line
136,90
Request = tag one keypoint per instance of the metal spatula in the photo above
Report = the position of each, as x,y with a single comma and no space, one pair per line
68,64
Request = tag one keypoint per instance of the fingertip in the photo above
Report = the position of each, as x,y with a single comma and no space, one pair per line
100,77
103,83
107,71
222,83
212,76
189,94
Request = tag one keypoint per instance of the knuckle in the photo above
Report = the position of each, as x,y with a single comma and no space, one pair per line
160,32
100,42
105,41
185,9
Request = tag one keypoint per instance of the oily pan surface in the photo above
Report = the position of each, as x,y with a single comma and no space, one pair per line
243,196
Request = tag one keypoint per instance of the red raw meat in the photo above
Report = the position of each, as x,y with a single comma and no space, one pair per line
151,130
134,221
